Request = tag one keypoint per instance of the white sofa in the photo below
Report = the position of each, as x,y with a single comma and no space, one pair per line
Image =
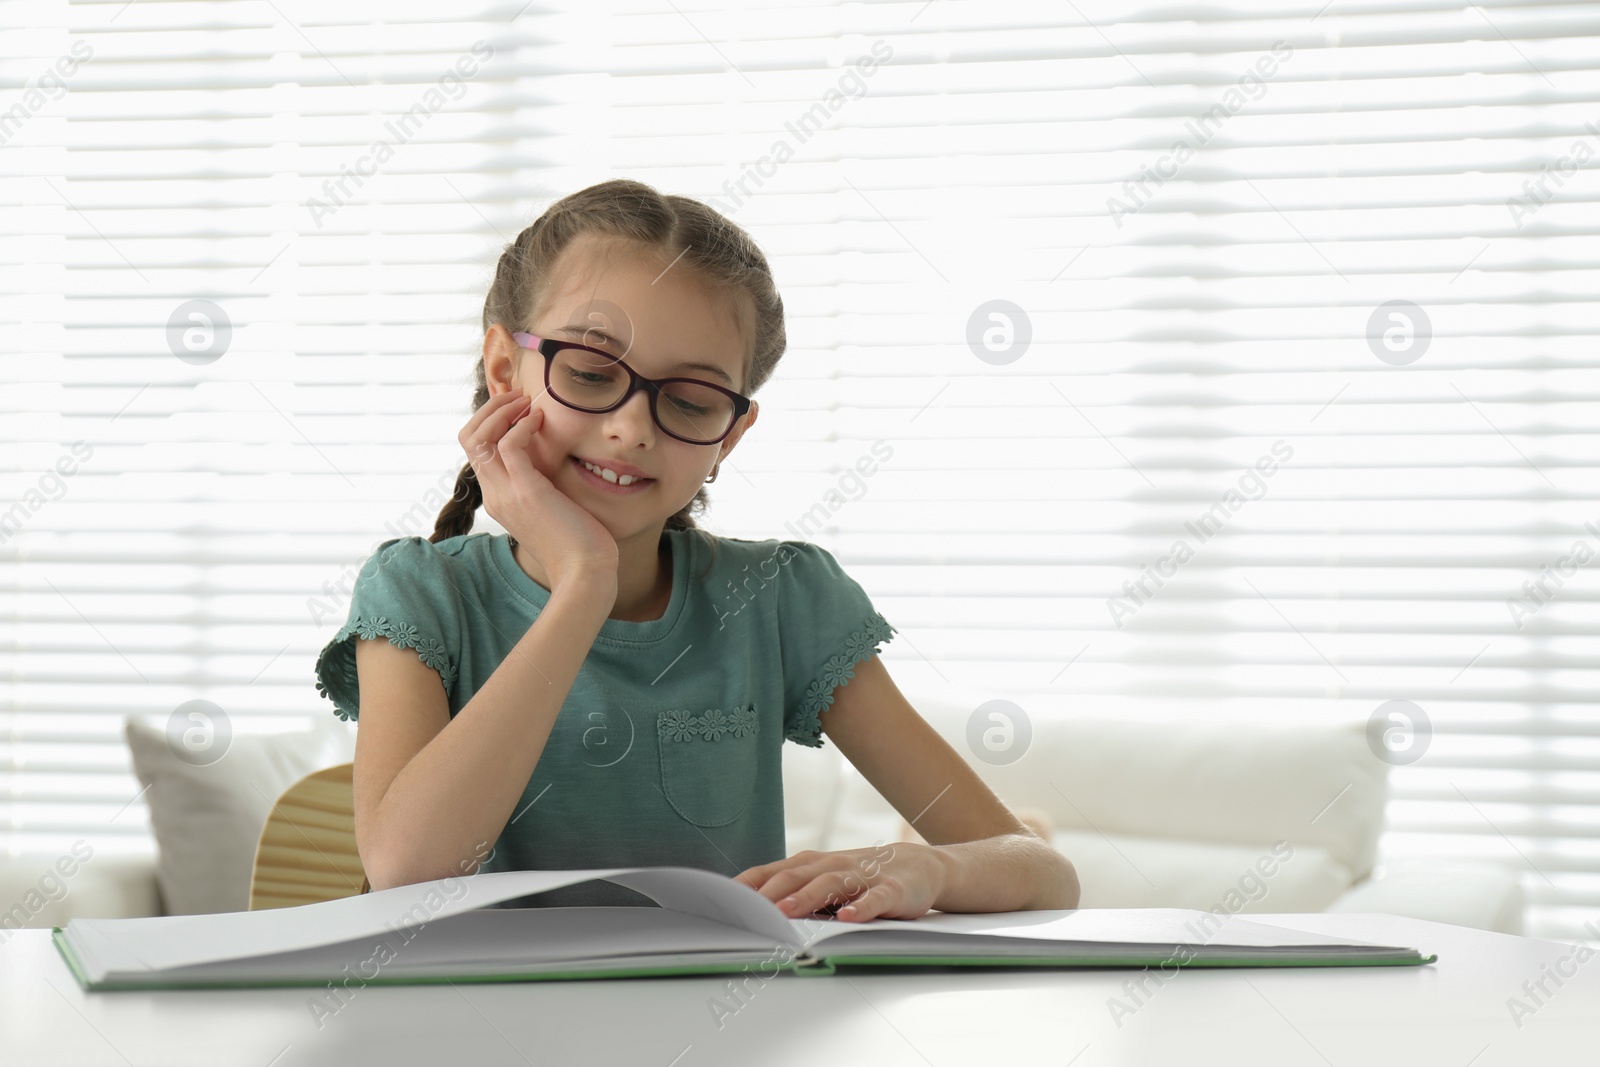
1240,816
1243,815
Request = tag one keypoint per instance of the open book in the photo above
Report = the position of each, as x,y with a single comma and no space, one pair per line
445,930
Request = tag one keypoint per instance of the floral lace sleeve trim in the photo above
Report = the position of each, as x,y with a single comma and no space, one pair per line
837,671
338,660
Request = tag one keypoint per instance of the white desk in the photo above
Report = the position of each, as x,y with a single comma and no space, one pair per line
1452,1012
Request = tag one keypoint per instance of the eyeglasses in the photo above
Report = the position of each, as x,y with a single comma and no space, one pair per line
587,379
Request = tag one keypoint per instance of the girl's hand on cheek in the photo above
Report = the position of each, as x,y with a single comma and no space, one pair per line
565,539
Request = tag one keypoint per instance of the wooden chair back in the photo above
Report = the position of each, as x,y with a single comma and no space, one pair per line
307,850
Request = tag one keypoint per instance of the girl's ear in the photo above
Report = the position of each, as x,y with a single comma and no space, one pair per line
501,359
732,439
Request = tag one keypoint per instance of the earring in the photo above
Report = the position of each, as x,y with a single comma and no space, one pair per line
714,471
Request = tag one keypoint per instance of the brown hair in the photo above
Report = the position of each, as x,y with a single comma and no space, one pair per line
723,255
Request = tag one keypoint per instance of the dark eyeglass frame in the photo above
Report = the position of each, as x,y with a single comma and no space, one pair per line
549,346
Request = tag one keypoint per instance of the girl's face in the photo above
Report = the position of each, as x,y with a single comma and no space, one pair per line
660,319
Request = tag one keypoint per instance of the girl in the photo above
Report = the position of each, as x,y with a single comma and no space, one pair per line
606,684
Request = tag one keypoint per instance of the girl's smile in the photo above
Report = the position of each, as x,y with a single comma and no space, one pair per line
606,486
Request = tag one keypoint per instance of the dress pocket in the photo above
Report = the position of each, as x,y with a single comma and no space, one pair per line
708,763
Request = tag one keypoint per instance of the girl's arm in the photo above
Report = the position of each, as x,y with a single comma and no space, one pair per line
992,860
433,793
981,857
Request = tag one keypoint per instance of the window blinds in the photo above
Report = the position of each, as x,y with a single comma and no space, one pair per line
1212,363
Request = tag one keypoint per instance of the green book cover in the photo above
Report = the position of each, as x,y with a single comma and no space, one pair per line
451,930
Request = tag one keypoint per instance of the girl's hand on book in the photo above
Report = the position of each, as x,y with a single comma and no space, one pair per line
565,538
900,880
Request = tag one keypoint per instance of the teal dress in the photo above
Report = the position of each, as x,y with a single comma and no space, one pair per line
668,748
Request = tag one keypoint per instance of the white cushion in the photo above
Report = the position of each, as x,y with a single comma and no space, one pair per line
1129,871
810,795
1193,805
1485,896
1138,871
208,819
1242,782
45,889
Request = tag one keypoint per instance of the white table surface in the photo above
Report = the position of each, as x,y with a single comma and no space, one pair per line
1451,1012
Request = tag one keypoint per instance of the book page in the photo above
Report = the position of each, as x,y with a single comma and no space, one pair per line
153,943
505,941
1030,933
